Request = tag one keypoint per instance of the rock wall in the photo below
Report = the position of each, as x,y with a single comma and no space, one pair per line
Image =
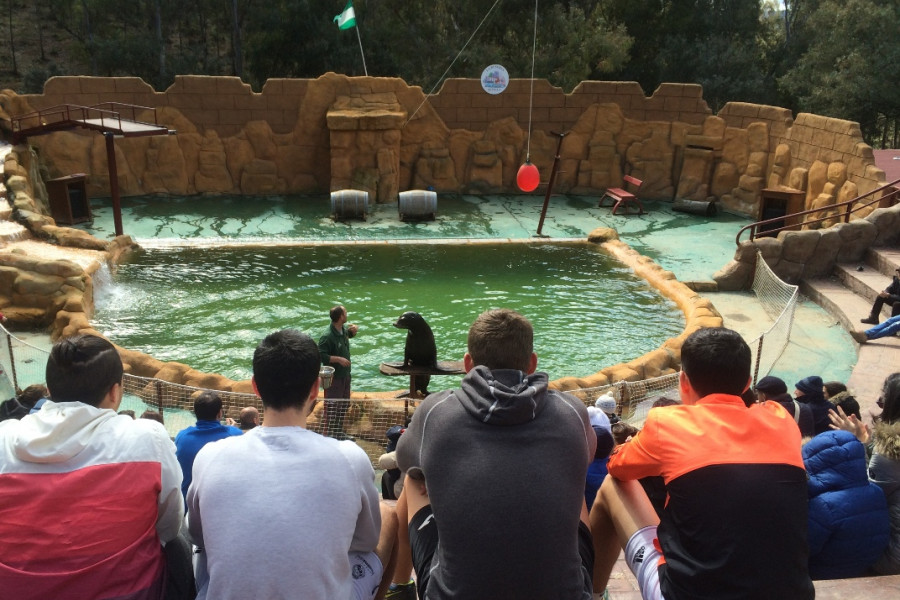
381,135
796,255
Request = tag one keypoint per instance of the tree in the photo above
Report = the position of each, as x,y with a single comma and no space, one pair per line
849,69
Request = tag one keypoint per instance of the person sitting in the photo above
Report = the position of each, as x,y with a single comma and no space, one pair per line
608,405
735,524
623,431
847,403
775,389
848,515
249,418
884,468
21,405
605,443
495,474
810,391
888,328
321,531
189,441
655,486
153,415
88,497
832,389
890,296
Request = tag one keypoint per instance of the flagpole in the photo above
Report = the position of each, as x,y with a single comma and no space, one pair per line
365,70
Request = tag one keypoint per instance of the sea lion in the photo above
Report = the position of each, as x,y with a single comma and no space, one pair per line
420,350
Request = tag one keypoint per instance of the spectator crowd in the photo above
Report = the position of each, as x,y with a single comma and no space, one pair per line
500,488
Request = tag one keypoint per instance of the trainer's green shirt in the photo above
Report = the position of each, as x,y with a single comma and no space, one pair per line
335,343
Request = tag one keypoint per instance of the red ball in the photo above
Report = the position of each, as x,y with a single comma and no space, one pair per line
528,177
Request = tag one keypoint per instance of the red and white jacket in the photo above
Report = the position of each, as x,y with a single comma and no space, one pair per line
86,499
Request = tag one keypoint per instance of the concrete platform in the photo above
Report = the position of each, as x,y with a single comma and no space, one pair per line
623,586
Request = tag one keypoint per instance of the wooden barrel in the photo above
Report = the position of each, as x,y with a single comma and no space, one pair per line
417,204
695,207
349,204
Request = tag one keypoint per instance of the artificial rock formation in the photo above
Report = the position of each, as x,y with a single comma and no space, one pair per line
796,255
383,136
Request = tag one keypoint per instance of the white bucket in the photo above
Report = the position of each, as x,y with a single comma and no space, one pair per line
326,373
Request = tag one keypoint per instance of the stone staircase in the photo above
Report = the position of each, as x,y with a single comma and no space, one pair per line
848,296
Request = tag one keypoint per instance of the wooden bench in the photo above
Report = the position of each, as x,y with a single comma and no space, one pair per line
622,197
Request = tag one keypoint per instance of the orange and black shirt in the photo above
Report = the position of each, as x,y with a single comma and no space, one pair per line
735,520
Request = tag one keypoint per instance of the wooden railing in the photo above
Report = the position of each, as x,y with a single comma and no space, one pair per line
889,192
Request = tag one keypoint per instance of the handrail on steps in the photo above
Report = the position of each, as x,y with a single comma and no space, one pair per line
849,204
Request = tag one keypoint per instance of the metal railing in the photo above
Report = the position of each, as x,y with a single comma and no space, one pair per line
109,114
841,210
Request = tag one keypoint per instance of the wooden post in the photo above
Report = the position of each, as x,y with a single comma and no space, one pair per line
113,180
550,183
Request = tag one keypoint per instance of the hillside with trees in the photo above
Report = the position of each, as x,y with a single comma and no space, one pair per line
832,57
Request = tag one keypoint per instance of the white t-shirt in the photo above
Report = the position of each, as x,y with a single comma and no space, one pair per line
276,512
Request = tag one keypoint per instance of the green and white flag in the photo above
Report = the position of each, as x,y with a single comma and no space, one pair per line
346,19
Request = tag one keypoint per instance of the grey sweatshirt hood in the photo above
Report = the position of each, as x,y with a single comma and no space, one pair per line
503,396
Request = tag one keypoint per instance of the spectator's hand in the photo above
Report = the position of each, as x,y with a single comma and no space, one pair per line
352,328
839,420
230,422
340,360
883,294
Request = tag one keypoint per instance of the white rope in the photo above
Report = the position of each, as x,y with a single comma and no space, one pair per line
441,78
531,98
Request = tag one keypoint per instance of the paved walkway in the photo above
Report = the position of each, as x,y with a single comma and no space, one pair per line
623,586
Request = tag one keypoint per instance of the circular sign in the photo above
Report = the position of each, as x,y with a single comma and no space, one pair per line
494,79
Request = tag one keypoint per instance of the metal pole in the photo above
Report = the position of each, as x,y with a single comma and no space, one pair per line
113,181
550,183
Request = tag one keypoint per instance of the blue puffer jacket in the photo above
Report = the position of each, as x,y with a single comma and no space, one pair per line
848,516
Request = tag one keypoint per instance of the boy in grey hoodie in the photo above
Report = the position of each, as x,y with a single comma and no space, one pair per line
495,477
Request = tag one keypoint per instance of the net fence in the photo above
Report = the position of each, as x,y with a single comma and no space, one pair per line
367,421
779,301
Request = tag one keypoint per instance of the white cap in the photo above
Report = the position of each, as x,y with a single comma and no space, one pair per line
606,403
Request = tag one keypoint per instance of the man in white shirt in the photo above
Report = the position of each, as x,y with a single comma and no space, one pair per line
319,531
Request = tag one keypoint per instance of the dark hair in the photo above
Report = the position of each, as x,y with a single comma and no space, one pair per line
153,416
207,406
890,395
850,406
285,367
336,312
30,395
501,339
83,368
716,360
128,413
664,401
621,431
833,388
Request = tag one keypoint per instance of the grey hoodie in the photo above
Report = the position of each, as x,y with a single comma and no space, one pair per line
504,460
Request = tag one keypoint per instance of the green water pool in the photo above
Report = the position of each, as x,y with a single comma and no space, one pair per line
209,307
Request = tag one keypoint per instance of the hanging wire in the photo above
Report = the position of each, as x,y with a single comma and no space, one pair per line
441,78
531,98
